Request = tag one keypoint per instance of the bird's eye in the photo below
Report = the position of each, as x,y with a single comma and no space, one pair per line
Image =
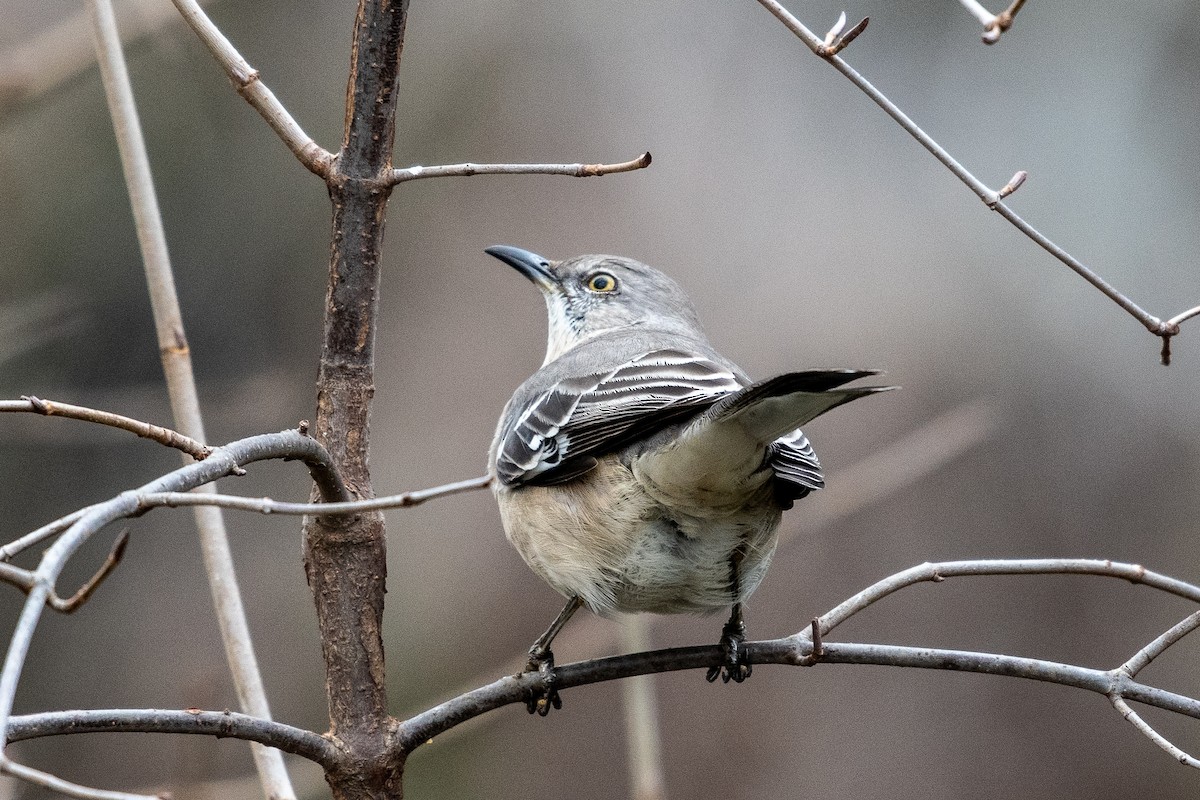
602,282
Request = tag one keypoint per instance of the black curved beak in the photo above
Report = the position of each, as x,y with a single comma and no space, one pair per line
531,265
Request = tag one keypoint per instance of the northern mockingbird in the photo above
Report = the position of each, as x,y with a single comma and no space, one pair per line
639,469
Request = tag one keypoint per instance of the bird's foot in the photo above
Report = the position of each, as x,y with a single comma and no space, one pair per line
736,666
540,701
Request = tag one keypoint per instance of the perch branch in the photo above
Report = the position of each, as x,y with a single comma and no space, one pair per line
467,170
808,647
993,24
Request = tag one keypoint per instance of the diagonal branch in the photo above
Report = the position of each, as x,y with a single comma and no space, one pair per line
467,170
251,87
992,199
145,430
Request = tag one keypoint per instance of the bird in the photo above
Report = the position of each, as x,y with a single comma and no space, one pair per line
638,469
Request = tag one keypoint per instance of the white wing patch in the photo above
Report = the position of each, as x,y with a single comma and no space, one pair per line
589,415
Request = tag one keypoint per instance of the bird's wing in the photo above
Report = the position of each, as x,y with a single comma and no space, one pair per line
554,435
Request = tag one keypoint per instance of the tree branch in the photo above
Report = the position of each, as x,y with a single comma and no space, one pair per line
251,87
265,505
992,199
467,170
164,436
222,461
800,650
222,724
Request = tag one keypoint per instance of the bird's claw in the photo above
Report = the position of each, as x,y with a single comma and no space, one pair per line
736,664
540,701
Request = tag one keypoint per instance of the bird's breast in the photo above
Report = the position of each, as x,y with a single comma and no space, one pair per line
606,539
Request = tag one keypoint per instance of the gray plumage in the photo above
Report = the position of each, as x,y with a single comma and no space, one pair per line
639,469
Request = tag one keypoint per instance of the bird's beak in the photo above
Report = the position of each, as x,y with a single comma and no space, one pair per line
531,265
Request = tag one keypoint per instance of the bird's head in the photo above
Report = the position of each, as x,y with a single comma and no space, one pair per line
587,296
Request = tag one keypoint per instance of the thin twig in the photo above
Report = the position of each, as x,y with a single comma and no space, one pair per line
1156,326
181,384
73,603
164,436
265,505
940,571
56,784
467,170
222,461
1153,735
1142,658
251,87
41,534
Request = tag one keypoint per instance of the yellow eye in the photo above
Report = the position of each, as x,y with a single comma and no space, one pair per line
602,282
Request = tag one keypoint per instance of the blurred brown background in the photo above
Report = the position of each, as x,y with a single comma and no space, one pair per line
809,229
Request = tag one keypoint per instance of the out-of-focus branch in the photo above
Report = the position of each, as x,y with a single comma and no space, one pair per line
164,436
221,462
1163,329
251,87
181,384
53,56
467,170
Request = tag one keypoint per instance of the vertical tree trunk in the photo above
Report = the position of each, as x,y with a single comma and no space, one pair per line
346,566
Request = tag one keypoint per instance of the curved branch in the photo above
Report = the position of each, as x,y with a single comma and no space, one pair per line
222,461
222,724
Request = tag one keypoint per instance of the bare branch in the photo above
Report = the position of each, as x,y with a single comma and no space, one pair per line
222,461
223,724
73,603
807,648
41,534
1153,735
265,505
1142,658
57,784
938,572
251,87
993,24
145,430
467,170
991,198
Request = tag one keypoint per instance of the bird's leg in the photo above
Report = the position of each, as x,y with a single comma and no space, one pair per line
736,666
541,660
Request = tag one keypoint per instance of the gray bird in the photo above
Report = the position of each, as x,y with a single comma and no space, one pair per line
640,470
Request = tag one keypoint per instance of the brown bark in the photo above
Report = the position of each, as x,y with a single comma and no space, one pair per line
346,565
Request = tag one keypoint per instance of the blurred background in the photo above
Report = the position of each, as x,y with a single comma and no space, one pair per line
810,231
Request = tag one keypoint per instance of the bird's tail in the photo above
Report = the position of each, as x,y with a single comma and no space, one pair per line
721,453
